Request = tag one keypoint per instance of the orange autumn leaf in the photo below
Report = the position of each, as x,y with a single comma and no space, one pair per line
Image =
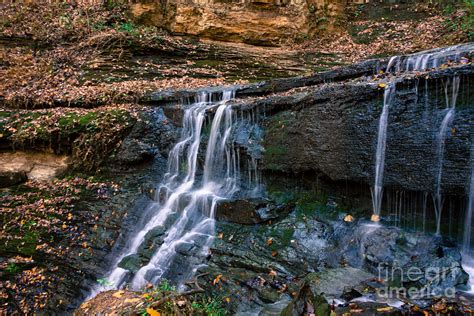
217,279
152,312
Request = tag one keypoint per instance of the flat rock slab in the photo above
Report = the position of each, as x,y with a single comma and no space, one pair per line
36,166
333,282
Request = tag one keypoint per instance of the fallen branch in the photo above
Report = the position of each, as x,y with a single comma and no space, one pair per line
172,296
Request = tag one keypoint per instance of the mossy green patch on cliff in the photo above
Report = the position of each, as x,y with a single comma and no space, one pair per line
89,135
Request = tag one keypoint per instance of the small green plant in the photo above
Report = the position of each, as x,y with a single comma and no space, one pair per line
128,27
104,282
211,306
165,286
65,21
12,268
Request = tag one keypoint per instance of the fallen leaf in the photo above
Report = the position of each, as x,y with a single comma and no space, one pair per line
132,300
118,294
274,253
348,218
217,279
152,312
270,241
375,218
357,311
384,309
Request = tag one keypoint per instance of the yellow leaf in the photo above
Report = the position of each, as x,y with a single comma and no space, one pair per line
132,300
152,312
118,294
69,216
384,309
227,299
382,85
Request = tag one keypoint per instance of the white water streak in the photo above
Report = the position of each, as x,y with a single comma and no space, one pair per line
377,190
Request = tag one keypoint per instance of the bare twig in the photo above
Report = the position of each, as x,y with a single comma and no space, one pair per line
172,296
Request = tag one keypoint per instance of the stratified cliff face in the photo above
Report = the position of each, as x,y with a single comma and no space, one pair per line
260,22
334,130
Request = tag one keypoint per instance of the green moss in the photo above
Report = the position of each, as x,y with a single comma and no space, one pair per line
275,151
281,238
12,268
282,197
4,114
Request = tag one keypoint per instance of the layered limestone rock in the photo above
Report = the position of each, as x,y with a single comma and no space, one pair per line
260,22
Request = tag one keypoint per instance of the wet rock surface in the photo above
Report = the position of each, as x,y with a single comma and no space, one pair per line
250,211
283,262
331,130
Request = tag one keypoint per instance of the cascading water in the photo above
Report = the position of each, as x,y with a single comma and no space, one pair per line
466,242
377,191
181,194
467,253
440,145
428,59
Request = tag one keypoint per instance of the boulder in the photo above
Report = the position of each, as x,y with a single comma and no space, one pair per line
337,282
131,263
404,259
133,151
9,178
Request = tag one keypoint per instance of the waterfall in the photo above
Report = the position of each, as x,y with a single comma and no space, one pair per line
377,191
193,201
467,255
466,242
440,145
428,59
